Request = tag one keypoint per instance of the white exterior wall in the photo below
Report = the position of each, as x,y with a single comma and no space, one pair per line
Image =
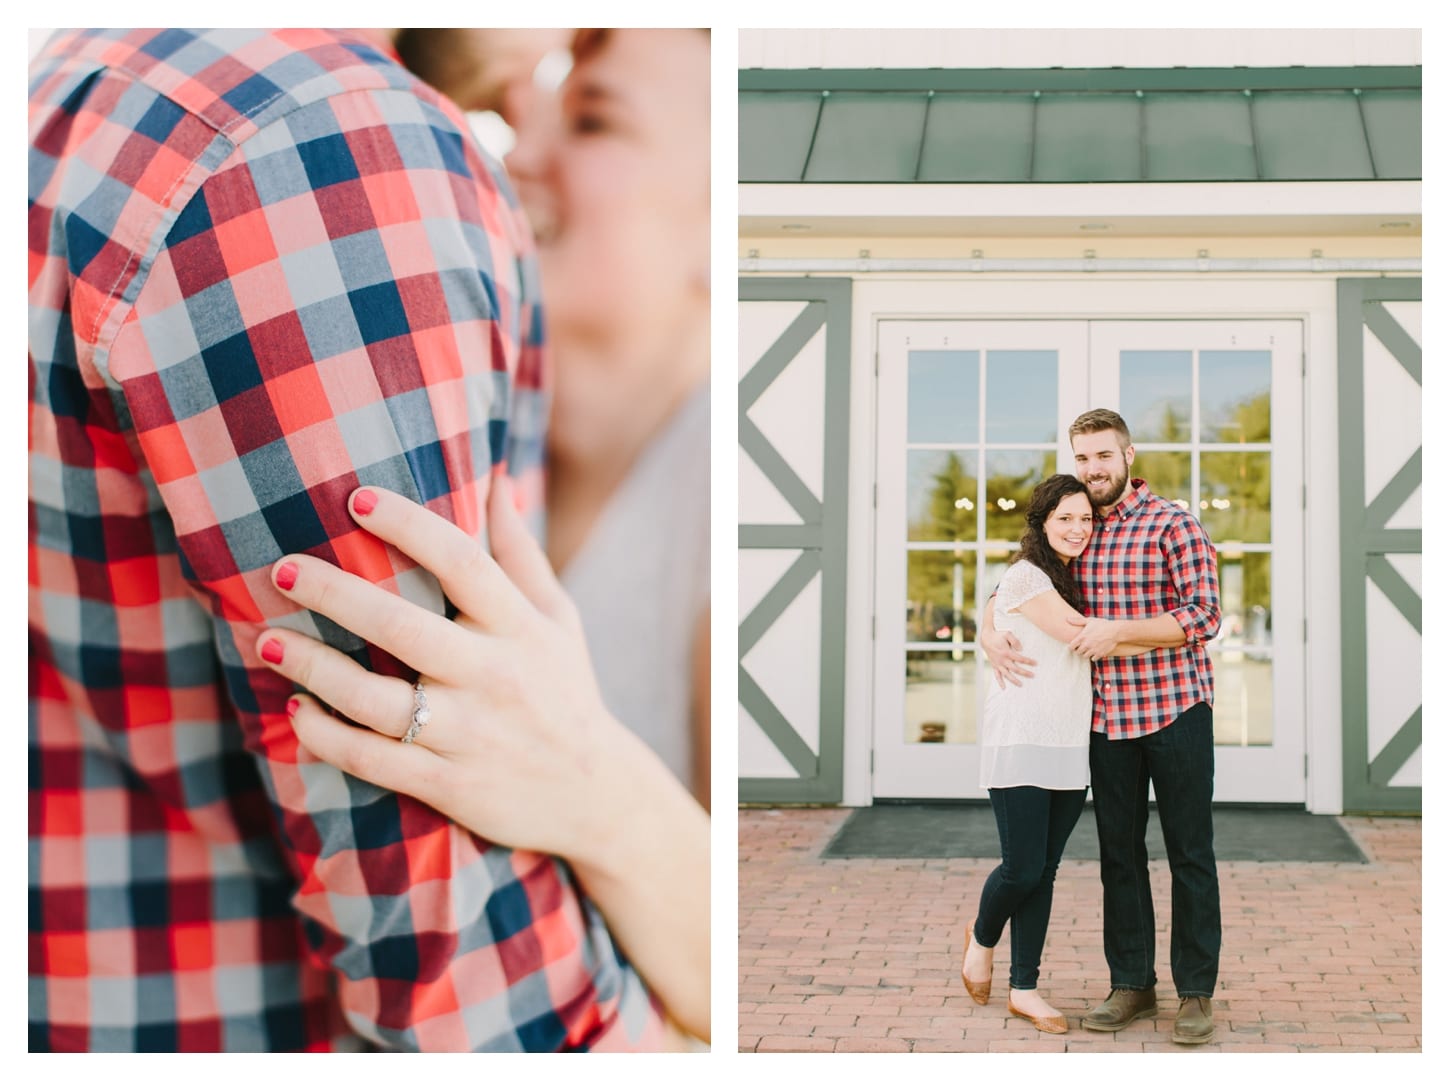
1310,298
1343,222
1393,432
791,415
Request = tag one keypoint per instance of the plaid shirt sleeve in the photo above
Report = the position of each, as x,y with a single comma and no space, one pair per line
323,316
1193,569
1146,558
348,298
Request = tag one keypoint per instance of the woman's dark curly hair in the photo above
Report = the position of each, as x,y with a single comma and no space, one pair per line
1035,548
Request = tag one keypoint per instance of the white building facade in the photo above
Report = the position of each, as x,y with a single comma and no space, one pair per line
951,244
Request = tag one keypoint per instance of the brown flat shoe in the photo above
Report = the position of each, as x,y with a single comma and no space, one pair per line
1056,1024
980,992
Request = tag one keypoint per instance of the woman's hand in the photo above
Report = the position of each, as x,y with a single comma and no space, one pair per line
519,747
1003,650
517,736
1097,639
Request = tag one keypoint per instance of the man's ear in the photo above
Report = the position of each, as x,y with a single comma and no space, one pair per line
1129,453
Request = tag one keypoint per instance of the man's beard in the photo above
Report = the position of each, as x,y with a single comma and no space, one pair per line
1106,497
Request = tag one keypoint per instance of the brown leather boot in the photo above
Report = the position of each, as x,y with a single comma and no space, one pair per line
1120,1009
1194,1023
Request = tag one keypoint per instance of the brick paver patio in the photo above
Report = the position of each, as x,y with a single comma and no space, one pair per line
865,955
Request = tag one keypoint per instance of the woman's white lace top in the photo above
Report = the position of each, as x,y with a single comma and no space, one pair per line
1036,734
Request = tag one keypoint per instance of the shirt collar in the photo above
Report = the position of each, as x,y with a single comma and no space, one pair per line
1137,496
381,40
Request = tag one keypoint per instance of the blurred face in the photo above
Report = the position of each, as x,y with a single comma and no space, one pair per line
615,177
1069,526
1102,464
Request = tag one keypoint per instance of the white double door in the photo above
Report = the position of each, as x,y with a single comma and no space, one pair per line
973,414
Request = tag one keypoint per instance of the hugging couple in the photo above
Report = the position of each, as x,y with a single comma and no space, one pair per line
1098,638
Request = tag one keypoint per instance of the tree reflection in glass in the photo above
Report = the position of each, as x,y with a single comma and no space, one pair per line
1234,396
1234,490
1169,473
1233,501
941,495
1243,655
941,600
1011,476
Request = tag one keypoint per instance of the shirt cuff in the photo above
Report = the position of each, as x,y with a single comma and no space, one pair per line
1198,626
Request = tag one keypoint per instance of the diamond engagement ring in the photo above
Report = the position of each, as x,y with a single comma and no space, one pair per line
421,712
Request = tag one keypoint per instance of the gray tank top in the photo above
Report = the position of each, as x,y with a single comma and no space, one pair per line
642,579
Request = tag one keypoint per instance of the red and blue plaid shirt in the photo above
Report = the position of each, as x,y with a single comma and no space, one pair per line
1148,556
265,268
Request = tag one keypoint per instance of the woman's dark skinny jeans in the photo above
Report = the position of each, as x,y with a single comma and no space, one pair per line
1033,825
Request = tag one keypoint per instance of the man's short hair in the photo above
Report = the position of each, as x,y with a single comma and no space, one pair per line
1100,420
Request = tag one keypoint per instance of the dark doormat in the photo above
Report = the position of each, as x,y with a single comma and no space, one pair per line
917,831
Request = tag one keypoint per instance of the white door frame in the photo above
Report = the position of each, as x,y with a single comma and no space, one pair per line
1306,297
1087,375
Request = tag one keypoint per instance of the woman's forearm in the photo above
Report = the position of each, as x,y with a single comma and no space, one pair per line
648,871
1101,638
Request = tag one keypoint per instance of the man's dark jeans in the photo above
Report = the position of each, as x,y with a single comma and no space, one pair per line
1033,825
1178,760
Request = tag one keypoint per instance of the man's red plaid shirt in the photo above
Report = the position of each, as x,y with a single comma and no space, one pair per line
265,268
1148,556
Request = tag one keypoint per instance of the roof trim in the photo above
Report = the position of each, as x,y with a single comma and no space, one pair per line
1080,79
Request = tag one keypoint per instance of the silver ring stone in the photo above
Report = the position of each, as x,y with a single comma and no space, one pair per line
421,713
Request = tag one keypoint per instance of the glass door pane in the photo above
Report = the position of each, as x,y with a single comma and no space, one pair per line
1214,412
971,415
971,418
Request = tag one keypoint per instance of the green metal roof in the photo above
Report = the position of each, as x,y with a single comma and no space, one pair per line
1058,125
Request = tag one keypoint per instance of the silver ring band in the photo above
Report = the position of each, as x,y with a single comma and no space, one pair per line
421,713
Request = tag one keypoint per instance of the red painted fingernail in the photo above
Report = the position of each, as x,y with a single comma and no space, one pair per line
293,705
272,651
364,502
287,576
